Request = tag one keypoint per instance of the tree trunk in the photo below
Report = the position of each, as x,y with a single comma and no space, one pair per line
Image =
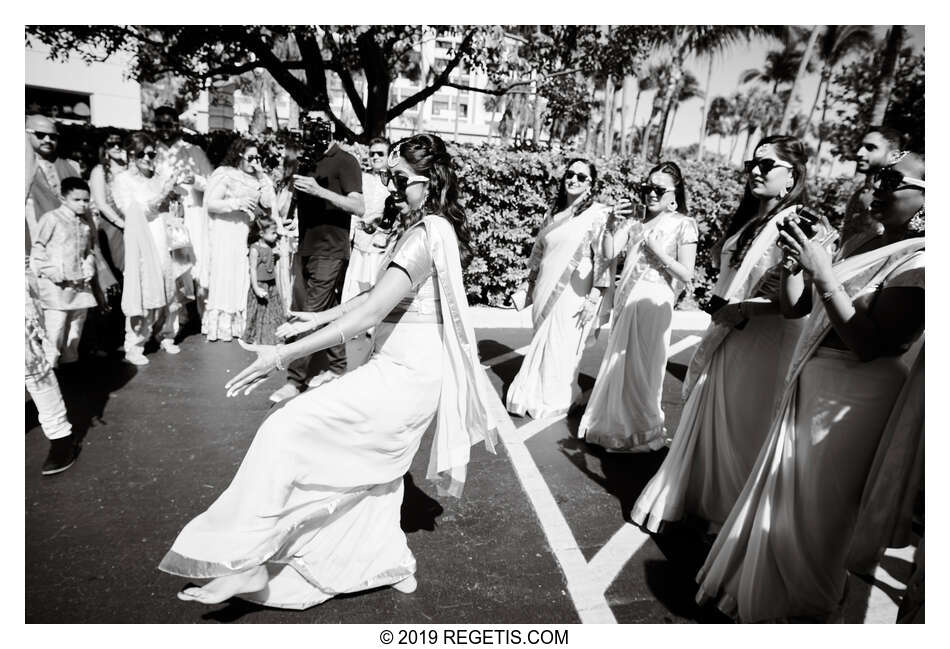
885,81
669,130
822,83
821,131
590,139
749,142
705,113
732,148
610,99
625,116
802,68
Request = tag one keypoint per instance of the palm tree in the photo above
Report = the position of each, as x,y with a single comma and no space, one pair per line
689,89
780,68
657,77
705,113
885,82
799,75
686,40
834,44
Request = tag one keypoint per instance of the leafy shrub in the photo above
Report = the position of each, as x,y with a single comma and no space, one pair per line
506,193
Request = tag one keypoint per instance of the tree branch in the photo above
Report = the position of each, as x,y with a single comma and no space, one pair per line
510,87
437,83
337,64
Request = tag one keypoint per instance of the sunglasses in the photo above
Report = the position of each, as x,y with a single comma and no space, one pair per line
658,191
765,165
146,154
114,144
890,180
164,124
402,182
581,177
43,135
252,158
377,154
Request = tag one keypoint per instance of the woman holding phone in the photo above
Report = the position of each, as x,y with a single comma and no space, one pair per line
569,273
784,550
625,412
236,192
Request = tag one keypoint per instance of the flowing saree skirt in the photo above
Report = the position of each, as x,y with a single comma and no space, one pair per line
782,550
625,411
318,495
228,277
724,422
546,384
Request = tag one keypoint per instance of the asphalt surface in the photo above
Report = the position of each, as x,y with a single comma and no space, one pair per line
160,443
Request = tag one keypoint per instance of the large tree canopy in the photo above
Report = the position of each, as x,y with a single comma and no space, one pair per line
299,58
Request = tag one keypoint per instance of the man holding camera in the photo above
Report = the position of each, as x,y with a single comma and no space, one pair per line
328,189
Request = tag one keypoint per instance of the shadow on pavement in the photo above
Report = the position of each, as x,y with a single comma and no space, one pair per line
624,474
419,510
86,386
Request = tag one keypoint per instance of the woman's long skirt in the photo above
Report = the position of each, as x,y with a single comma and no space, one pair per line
625,409
317,498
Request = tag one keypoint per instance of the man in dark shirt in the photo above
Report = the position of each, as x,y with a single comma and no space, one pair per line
326,196
880,147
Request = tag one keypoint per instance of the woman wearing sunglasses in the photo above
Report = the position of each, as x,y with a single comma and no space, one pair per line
568,276
625,411
314,509
236,193
823,493
737,369
112,160
148,289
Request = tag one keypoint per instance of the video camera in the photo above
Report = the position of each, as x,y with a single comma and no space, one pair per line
317,134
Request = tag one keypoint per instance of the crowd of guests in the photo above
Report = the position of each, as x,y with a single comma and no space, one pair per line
800,441
160,235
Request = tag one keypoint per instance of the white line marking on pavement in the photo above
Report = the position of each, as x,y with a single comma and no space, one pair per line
529,430
585,592
680,345
610,559
504,358
881,608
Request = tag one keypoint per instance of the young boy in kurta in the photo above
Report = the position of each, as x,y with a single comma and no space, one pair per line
63,260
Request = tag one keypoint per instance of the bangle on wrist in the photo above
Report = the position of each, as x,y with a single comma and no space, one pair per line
278,363
829,295
342,335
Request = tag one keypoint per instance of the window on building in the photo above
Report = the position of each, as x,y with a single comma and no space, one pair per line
441,108
59,104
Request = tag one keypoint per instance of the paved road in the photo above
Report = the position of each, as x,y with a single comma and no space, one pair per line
539,537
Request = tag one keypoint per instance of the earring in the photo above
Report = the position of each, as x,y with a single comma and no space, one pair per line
672,207
917,222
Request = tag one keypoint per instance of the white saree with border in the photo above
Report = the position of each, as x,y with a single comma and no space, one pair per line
783,549
317,498
569,262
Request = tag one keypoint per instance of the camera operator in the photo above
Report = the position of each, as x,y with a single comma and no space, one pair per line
328,189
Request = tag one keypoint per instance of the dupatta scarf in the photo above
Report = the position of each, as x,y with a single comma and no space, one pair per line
463,418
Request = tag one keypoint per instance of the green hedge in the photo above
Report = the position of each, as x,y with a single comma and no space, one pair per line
506,193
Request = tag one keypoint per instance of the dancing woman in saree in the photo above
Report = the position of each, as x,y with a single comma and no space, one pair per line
569,275
738,367
783,552
314,508
625,411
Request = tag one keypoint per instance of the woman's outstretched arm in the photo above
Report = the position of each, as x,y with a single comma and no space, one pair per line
389,290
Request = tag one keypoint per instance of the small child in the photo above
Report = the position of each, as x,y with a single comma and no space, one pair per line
265,308
63,259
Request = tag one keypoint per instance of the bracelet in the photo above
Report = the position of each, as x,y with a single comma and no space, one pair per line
278,365
342,335
827,296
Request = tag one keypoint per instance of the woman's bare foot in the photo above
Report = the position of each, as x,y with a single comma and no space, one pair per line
407,585
224,588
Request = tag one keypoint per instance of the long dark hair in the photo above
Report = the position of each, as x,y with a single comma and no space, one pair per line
104,160
679,189
791,150
233,157
560,200
427,156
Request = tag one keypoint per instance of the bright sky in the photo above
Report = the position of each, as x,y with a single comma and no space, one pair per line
724,81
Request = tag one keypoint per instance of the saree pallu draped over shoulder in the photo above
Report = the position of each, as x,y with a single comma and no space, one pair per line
783,551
